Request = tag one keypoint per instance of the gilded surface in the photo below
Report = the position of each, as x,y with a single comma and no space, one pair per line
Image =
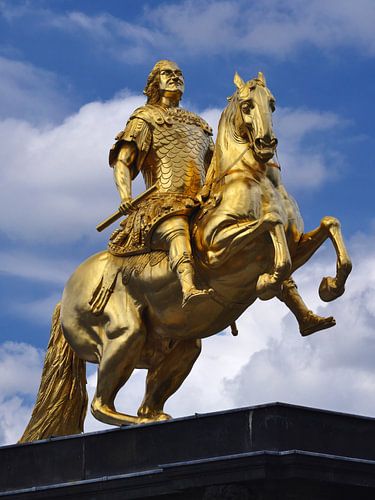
177,159
201,270
135,234
173,144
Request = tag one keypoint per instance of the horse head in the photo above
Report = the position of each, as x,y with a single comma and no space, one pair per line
251,108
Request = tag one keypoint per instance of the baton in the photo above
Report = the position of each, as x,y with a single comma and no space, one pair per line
113,218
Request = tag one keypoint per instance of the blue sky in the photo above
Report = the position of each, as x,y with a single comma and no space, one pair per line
71,72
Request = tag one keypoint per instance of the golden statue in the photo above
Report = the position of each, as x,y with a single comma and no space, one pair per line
193,254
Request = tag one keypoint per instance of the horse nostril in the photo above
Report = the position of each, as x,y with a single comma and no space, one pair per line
266,142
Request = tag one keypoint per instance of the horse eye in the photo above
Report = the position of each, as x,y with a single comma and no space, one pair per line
247,106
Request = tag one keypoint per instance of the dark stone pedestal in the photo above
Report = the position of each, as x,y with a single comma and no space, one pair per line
274,451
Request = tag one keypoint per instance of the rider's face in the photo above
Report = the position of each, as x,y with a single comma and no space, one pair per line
171,79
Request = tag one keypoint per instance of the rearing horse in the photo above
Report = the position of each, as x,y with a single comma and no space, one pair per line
247,237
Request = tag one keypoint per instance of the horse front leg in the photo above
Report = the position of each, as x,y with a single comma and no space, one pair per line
224,237
330,288
229,240
268,284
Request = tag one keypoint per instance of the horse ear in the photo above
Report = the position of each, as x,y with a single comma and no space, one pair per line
262,78
237,80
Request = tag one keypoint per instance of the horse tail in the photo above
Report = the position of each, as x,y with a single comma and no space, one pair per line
61,402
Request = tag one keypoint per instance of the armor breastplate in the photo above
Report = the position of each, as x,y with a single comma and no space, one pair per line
177,155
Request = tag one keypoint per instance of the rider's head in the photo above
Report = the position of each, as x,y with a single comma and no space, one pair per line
165,78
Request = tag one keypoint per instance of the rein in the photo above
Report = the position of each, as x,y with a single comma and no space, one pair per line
275,165
232,164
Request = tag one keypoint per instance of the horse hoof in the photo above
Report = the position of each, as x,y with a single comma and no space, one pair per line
153,416
265,288
108,415
163,417
328,289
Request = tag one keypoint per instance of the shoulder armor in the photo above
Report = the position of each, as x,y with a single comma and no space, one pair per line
155,115
150,114
136,130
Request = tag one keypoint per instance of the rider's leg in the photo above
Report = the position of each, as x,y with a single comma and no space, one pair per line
166,377
308,321
174,235
122,347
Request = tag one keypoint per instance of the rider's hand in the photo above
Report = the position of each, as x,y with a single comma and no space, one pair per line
126,206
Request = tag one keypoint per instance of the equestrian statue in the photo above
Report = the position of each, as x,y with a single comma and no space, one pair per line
214,231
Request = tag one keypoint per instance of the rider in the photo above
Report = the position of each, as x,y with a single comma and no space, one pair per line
172,147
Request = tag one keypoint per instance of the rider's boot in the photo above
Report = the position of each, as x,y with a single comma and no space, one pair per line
308,321
191,294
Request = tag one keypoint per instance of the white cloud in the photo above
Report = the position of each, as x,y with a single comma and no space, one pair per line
38,268
37,310
266,27
128,42
19,364
58,186
20,368
14,415
334,369
305,164
295,124
30,93
261,27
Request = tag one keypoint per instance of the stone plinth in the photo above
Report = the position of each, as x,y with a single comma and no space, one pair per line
273,451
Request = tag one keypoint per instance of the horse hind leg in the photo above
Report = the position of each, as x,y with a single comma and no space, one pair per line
166,376
125,338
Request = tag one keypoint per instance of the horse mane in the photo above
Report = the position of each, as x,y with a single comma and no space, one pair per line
227,123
